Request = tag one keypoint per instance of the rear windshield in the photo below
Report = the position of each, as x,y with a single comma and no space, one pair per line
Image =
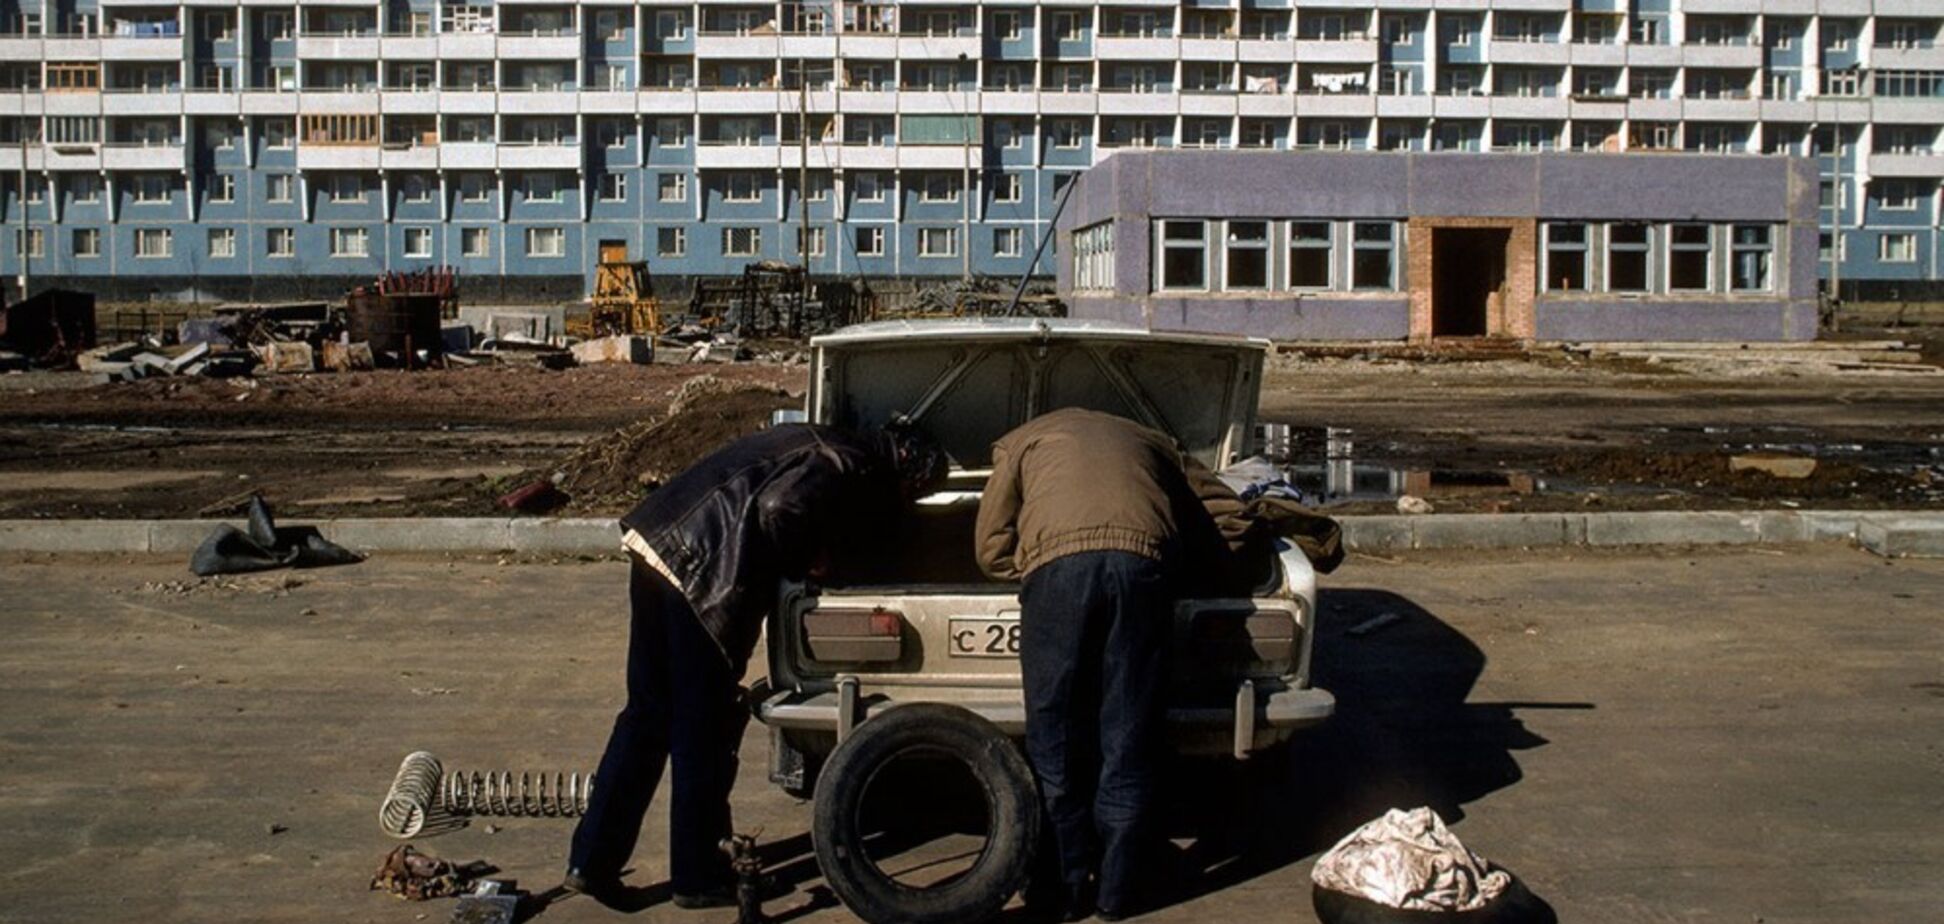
967,395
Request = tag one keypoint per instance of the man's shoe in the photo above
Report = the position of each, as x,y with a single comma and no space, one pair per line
1111,916
593,886
714,898
1079,905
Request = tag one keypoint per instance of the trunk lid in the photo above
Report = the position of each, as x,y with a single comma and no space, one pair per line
969,381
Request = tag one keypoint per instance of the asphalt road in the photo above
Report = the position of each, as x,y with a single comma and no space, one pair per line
1677,736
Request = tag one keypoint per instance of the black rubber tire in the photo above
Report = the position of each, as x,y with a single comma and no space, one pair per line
998,770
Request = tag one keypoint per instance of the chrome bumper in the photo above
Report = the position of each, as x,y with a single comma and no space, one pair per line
1256,720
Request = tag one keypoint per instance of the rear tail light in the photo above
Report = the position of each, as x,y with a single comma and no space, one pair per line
854,636
1245,636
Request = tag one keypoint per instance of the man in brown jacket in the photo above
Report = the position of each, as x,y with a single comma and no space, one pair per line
1102,519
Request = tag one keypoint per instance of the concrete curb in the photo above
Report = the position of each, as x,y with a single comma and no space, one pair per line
1888,533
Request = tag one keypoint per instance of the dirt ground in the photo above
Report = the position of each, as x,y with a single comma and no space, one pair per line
1545,432
178,751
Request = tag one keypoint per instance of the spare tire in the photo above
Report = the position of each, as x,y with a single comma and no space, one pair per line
997,771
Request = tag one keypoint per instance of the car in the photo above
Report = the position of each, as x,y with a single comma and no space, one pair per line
920,650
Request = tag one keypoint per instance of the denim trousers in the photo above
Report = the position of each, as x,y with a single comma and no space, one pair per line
1094,629
684,709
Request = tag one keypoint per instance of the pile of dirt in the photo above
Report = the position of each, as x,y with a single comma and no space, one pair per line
707,412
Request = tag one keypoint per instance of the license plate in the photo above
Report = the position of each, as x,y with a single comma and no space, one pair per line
985,638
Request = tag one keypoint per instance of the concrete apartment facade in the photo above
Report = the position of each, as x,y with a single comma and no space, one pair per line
1376,246
257,148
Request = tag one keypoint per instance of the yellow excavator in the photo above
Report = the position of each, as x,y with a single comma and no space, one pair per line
623,302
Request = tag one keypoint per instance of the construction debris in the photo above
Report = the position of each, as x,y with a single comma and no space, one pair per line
616,349
1774,464
706,413
50,328
416,876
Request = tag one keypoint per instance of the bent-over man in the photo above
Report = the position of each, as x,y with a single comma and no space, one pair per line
707,551
1097,515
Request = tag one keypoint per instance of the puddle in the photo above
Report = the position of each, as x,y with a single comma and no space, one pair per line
1323,462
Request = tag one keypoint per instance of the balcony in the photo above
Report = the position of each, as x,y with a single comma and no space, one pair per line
1341,51
1927,164
267,102
1654,55
1529,107
71,48
736,45
540,156
737,156
141,102
1208,49
936,47
607,101
409,156
1008,102
1123,102
69,157
468,155
1511,51
339,102
315,47
868,157
1740,56
408,101
791,157
865,45
1611,55
514,47
792,45
1275,51
408,47
215,102
1207,103
312,156
143,48
13,48
1135,48
124,156
665,100
1908,59
539,102
938,157
737,99
468,45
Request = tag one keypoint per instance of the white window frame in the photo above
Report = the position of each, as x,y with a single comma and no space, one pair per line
482,237
1906,199
741,187
350,243
671,242
546,243
818,241
92,237
1549,244
939,188
422,236
869,241
1009,188
1707,251
543,187
1008,242
222,188
154,243
870,187
611,187
280,243
671,187
1763,250
938,241
1902,254
1164,243
1394,245
752,233
1650,258
222,243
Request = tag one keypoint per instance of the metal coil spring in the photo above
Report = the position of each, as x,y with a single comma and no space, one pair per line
533,795
409,800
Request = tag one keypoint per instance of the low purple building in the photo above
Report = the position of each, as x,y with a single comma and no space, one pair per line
1390,246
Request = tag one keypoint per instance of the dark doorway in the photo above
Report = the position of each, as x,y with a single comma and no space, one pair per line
1467,268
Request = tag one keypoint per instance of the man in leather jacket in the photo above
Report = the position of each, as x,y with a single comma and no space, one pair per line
707,552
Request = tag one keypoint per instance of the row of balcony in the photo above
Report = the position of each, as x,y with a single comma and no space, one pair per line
1024,102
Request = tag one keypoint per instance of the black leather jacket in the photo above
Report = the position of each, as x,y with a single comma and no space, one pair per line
769,506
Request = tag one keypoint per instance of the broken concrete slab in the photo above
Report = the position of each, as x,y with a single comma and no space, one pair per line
1902,537
108,359
617,349
188,357
1774,464
347,357
286,357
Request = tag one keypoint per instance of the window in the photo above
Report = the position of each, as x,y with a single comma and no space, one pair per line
815,244
1566,257
1897,196
1093,257
85,189
1007,242
346,187
1373,246
34,241
222,188
742,187
546,242
152,189
613,133
1067,26
1006,188
1246,255
1006,134
1066,135
418,242
1397,31
276,25
1837,35
870,187
222,243
476,242
672,133
153,243
473,188
671,242
1629,247
613,188
671,24
1690,255
1749,258
86,242
870,241
350,242
541,187
1005,26
742,242
938,242
672,187
280,242
1309,254
1897,248
939,187
415,188
1184,255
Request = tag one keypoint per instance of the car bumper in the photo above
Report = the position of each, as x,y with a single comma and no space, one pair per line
1259,718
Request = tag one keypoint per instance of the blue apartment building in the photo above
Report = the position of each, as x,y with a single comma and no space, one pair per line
266,149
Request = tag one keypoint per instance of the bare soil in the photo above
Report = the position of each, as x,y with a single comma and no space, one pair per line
1541,432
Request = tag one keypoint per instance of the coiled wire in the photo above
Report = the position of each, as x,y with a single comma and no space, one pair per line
409,801
531,795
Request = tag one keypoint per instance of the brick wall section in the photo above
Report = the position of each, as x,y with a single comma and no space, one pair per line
1510,312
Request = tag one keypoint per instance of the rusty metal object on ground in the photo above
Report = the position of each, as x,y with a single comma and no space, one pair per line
416,876
748,868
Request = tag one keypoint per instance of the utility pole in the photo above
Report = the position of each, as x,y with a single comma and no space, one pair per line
1838,194
803,182
21,199
965,181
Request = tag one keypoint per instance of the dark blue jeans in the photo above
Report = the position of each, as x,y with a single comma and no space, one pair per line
1094,631
683,708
